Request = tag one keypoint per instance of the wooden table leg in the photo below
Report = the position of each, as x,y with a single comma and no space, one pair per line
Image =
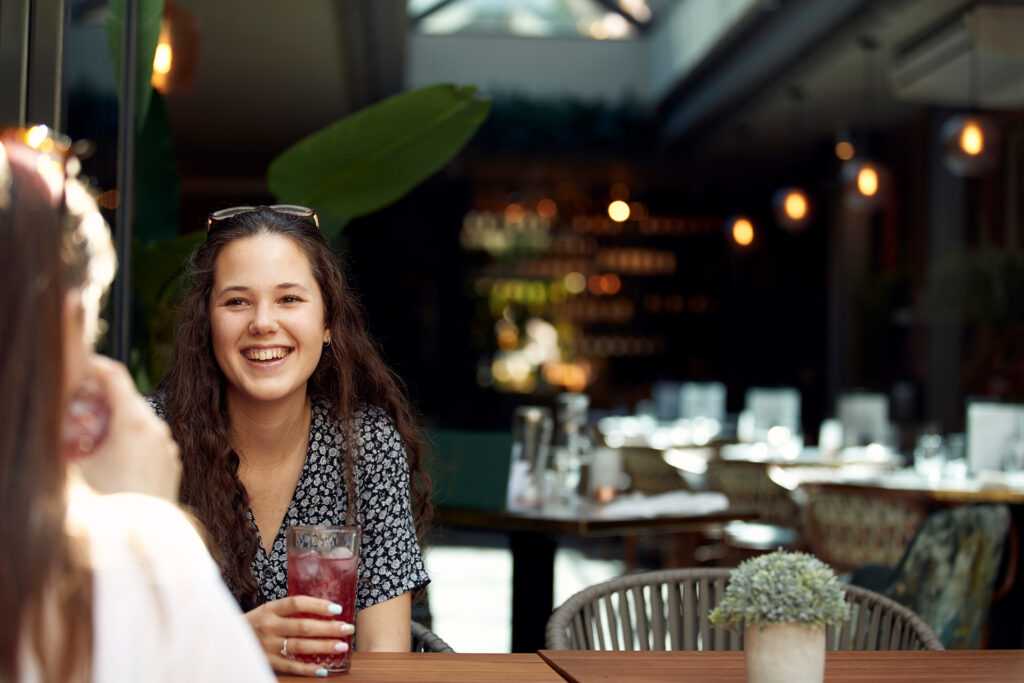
533,588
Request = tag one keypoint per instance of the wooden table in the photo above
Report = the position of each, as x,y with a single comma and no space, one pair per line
533,540
951,666
965,492
391,667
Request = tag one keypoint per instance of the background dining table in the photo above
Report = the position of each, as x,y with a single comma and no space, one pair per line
533,540
950,666
549,666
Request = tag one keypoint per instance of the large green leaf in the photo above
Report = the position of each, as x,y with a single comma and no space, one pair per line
150,12
372,158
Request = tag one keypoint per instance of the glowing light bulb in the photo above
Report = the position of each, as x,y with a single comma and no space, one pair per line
867,181
618,211
163,58
972,139
795,205
845,150
743,232
971,144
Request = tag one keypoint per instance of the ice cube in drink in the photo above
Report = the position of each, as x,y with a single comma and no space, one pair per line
331,576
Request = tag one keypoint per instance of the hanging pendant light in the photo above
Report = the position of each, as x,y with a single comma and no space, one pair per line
740,230
791,204
792,208
863,178
971,141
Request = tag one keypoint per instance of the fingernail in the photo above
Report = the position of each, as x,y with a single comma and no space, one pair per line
341,647
347,629
334,608
321,673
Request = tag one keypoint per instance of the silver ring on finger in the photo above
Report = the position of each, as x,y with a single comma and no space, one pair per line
284,649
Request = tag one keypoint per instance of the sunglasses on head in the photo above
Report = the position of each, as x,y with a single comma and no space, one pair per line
287,209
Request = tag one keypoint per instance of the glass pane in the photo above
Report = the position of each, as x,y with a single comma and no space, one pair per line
536,18
89,95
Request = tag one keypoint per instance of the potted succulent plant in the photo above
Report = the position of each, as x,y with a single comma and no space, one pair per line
783,601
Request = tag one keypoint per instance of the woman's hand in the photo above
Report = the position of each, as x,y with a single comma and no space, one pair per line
137,455
293,618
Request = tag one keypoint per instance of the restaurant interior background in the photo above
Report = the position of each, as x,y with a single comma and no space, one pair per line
623,221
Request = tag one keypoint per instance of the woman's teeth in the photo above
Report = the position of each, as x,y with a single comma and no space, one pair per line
266,354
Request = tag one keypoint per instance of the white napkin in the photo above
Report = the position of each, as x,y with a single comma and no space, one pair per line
664,504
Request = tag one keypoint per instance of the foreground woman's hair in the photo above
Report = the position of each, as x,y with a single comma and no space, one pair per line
48,246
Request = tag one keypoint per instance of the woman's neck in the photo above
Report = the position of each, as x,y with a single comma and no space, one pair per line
265,434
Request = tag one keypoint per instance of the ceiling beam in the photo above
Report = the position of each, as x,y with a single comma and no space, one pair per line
752,61
414,22
642,26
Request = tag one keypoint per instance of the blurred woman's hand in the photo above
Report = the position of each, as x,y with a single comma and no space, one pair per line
137,453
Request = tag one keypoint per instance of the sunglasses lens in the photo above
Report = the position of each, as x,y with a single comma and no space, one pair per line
230,212
293,209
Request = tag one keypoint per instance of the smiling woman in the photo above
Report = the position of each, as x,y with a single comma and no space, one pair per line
286,415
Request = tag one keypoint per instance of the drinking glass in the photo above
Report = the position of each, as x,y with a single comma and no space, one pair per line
930,456
323,563
531,438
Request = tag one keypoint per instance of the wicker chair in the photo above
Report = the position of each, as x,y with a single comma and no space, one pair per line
425,640
849,526
668,610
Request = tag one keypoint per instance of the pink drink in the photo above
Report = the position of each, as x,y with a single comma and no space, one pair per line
331,576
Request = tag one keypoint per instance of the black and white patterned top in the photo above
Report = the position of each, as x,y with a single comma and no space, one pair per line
390,561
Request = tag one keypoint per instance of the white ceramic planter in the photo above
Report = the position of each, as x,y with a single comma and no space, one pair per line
785,653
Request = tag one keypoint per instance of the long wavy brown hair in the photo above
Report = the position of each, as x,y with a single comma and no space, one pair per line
351,374
45,578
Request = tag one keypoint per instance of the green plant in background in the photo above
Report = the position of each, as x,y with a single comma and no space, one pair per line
781,588
355,166
372,158
150,13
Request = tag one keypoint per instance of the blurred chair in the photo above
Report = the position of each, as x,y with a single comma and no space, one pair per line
648,472
748,487
848,527
948,573
425,640
470,469
668,610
